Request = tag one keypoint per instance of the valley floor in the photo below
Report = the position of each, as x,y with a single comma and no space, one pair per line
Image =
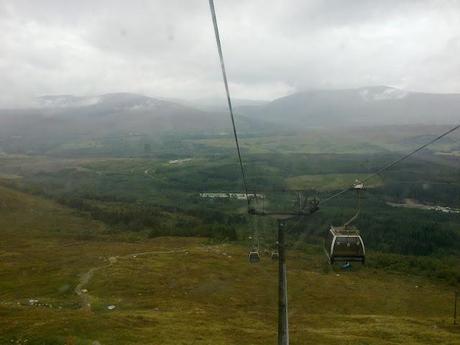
64,279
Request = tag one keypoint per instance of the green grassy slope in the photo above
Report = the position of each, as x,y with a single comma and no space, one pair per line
185,291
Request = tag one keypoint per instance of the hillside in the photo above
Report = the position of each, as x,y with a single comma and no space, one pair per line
109,113
175,290
129,124
369,106
69,120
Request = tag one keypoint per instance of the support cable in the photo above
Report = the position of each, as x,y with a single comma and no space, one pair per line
230,108
392,164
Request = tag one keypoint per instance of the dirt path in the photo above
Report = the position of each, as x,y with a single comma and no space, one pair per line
84,280
86,277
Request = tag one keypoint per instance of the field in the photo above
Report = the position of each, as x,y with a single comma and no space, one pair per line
328,182
109,242
370,140
187,290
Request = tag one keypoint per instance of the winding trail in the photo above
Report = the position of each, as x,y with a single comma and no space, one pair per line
84,280
86,277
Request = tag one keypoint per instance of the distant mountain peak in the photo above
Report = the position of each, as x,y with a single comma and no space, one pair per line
116,101
381,93
373,105
65,101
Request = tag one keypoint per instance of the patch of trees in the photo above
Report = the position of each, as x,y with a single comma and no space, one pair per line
389,229
158,221
444,194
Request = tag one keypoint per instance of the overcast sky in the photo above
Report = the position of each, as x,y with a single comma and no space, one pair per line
271,47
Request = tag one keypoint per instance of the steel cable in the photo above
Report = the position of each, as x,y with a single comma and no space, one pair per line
230,108
392,164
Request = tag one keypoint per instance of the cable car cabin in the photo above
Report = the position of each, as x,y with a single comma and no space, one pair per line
254,257
344,245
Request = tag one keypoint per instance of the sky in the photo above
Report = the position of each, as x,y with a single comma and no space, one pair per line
166,48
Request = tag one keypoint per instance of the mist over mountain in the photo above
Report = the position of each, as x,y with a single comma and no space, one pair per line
370,106
54,120
220,104
106,115
60,121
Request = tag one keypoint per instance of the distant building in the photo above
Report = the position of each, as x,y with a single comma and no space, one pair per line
238,196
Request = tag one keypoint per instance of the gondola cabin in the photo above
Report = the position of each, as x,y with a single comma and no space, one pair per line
344,245
254,257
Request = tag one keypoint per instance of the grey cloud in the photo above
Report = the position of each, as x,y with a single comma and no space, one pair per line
166,48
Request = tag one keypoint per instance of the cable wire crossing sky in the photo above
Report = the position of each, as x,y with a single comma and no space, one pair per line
272,48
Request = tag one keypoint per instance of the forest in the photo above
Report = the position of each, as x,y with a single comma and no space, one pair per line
154,197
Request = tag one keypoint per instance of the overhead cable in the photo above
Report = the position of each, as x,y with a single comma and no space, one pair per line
392,164
230,108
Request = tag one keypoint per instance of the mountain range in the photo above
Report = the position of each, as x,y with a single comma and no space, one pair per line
370,106
106,114
127,113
